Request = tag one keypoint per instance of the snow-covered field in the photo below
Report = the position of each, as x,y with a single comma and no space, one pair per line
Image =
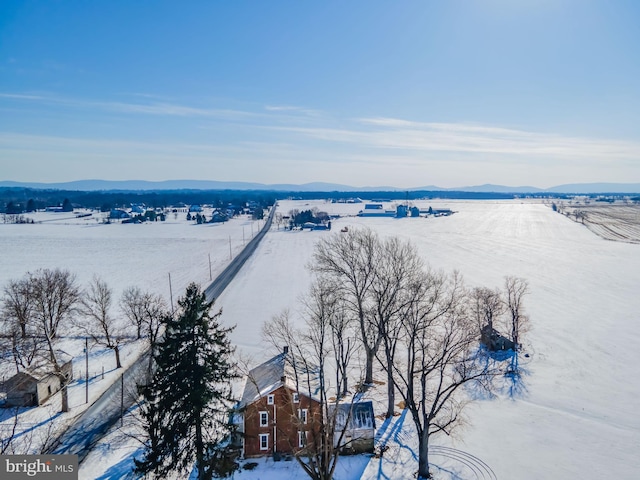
619,222
576,415
122,255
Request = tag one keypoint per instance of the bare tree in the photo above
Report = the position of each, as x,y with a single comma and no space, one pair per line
487,306
17,325
440,356
518,322
17,304
8,433
55,298
145,311
350,259
397,264
100,325
310,349
27,352
325,308
18,438
131,304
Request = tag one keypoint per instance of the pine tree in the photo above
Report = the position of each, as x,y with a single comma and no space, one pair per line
187,403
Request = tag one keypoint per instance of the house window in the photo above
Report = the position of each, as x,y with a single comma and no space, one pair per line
264,441
296,398
362,419
302,415
270,399
264,419
302,439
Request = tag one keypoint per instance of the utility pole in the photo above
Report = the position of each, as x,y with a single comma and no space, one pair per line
171,296
121,399
86,369
210,277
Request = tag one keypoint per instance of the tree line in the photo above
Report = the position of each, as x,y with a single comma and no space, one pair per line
21,200
375,305
183,410
43,306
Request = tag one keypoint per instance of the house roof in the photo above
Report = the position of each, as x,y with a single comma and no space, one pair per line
20,378
284,369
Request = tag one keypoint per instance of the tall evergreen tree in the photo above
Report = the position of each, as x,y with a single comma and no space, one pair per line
187,403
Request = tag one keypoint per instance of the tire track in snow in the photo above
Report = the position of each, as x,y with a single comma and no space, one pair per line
479,469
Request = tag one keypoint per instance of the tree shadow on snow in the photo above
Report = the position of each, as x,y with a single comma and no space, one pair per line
35,426
393,445
509,377
123,470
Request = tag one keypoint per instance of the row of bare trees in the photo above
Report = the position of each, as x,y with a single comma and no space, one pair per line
374,301
45,305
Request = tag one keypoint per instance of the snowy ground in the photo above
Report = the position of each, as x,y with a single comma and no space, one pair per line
619,222
122,255
575,416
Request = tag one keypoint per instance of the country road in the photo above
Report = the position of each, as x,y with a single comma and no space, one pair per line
90,426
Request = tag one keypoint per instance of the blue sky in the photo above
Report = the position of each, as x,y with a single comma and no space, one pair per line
409,93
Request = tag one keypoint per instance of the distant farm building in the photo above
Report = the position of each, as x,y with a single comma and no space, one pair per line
316,226
441,212
437,212
376,210
218,216
118,214
402,211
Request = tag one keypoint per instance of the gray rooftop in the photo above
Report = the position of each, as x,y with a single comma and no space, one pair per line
283,369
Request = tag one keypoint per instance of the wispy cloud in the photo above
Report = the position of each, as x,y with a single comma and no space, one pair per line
18,96
149,108
391,133
292,109
287,140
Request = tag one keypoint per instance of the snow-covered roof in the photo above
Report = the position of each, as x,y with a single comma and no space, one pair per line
284,369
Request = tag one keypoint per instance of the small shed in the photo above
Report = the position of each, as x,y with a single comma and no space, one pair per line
31,389
494,340
358,423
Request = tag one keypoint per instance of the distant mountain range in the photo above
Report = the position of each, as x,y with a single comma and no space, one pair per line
142,185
